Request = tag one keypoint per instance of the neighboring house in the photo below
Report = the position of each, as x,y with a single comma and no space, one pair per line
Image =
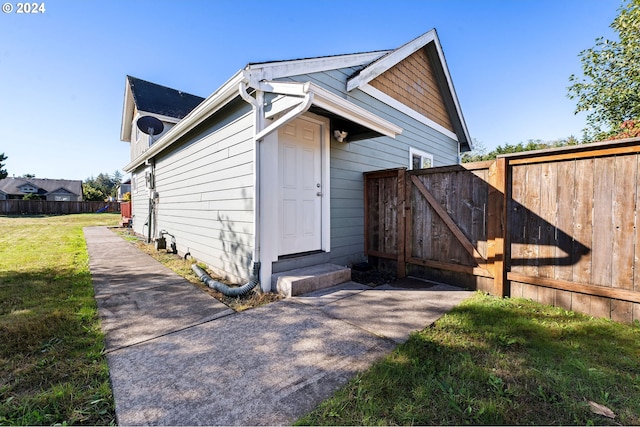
123,188
269,167
59,190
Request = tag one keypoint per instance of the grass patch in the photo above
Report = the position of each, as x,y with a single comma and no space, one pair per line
498,361
52,366
178,264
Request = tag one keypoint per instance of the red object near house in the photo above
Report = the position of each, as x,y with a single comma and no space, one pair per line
125,212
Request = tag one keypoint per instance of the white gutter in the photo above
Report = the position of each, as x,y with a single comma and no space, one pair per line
209,106
312,94
302,107
329,101
350,111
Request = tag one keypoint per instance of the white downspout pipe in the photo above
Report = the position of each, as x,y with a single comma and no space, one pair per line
258,106
257,193
260,132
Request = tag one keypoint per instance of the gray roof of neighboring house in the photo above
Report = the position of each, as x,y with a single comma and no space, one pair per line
157,99
12,185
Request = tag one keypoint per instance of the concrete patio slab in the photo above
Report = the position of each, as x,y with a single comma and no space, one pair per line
330,295
395,312
266,366
179,357
133,317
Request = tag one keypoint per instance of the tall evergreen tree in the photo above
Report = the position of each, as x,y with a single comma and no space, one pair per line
3,171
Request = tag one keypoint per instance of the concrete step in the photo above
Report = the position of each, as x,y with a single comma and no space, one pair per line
309,279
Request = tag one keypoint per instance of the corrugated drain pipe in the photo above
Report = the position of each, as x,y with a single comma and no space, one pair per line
255,274
260,132
226,290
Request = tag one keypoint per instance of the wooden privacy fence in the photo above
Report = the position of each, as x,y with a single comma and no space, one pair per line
557,226
46,207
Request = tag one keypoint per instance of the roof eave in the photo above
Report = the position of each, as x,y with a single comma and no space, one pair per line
376,68
259,72
128,109
332,103
209,106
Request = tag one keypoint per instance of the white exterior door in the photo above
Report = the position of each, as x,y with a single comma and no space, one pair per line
300,187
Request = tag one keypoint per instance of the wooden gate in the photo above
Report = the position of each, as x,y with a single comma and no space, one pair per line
440,218
558,226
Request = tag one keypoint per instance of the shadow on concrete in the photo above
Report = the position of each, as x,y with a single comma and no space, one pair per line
171,365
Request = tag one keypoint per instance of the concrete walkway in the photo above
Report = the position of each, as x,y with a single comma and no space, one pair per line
179,357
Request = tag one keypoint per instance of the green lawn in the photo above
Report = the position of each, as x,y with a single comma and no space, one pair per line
498,361
489,361
52,366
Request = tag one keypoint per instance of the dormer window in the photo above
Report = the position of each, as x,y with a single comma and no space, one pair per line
28,189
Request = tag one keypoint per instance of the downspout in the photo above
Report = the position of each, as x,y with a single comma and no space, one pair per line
257,105
260,132
254,280
224,289
151,190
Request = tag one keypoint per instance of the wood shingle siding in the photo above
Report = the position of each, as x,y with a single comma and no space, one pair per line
412,81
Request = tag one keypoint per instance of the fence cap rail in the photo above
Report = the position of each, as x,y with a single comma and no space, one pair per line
602,148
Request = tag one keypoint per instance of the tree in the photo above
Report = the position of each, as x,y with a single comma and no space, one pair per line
610,88
91,193
481,155
29,175
31,196
3,171
102,187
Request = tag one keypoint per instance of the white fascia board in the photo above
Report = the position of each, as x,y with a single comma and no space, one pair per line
383,97
391,59
273,70
127,114
331,102
213,103
350,111
362,79
452,90
284,88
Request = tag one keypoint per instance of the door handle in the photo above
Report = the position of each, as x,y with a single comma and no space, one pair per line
319,193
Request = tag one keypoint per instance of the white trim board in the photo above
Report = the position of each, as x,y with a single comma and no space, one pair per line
383,97
209,106
384,63
255,73
333,103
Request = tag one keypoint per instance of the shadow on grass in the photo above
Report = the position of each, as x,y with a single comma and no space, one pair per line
52,366
498,361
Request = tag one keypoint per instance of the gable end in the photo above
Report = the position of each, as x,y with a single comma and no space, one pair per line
413,82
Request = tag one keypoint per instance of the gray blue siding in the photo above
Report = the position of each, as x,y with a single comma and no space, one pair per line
205,191
350,160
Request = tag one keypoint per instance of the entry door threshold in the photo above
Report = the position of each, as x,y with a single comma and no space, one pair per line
306,259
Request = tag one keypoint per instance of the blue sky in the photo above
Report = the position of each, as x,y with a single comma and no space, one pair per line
62,72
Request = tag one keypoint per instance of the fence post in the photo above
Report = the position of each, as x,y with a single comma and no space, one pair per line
400,217
496,225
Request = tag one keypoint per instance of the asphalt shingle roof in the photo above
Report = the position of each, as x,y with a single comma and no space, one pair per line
11,185
158,99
